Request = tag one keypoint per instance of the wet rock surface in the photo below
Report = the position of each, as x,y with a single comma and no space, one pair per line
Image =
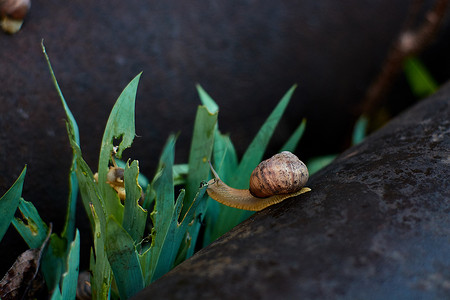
375,226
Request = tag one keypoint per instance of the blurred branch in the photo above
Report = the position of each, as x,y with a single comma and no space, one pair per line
409,42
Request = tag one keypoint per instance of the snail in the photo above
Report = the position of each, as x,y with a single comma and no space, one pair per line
12,13
280,177
84,286
115,179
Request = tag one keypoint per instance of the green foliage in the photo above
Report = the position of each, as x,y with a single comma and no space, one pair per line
360,130
9,202
60,260
132,247
221,218
122,258
421,82
319,162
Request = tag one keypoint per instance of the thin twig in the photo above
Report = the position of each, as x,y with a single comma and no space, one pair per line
409,42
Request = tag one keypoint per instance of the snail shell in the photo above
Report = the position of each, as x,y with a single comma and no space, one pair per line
285,176
283,173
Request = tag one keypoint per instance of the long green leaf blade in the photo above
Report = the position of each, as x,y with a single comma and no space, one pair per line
89,189
167,247
53,261
206,100
31,227
134,216
225,163
292,142
254,153
124,259
420,80
200,153
120,125
9,202
164,207
176,232
228,216
69,226
70,277
99,265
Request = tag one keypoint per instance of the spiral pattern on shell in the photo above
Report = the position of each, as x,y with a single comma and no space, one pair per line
283,173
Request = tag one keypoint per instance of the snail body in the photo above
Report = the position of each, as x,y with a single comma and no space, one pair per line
280,177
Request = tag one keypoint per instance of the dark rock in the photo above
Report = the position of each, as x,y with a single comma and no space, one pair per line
376,225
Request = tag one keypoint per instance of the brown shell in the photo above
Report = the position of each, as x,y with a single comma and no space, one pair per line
283,173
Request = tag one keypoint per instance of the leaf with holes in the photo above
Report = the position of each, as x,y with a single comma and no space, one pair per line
121,126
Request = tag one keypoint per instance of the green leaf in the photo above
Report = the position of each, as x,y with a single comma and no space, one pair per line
292,143
421,82
317,163
359,131
165,248
254,154
199,156
69,226
70,277
56,295
53,261
164,207
120,125
135,216
228,216
225,157
30,226
168,232
89,189
226,163
149,197
34,231
200,152
99,265
9,202
206,100
177,231
124,259
180,173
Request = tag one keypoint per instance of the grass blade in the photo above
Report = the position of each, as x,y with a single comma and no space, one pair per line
177,231
255,152
200,153
164,207
69,225
228,216
120,125
292,143
134,217
9,203
124,259
99,265
70,277
31,227
420,80
206,100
